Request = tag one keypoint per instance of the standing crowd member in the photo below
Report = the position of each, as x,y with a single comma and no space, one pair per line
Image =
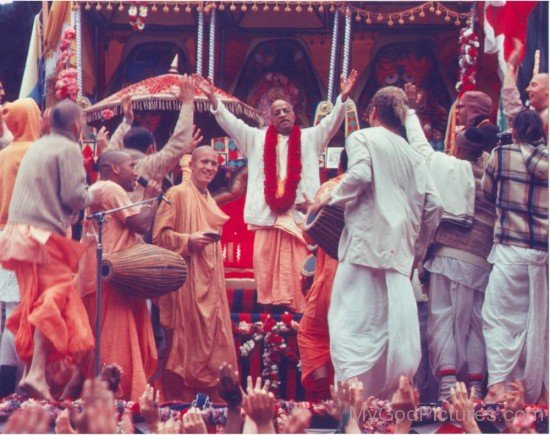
283,163
50,323
126,331
537,90
515,312
200,336
459,272
391,213
22,118
313,335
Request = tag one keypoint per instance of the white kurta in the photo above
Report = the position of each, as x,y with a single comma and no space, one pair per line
454,324
515,318
392,211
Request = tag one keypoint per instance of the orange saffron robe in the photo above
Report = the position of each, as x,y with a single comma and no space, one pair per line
44,264
126,331
313,336
198,313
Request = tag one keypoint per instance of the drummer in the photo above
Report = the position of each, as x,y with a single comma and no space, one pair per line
126,332
313,335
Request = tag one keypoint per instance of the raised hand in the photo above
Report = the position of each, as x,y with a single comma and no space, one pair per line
186,91
297,422
258,404
462,408
102,140
127,109
193,422
170,426
63,423
514,59
413,96
228,386
98,414
207,89
347,84
195,139
149,407
30,419
404,403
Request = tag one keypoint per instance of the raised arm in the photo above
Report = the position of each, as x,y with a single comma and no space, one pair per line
415,134
117,139
358,175
239,131
159,164
511,99
329,126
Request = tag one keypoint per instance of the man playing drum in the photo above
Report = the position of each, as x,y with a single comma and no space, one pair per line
196,317
283,164
392,210
126,332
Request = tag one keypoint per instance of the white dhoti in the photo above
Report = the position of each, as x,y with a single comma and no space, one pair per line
455,336
373,326
515,318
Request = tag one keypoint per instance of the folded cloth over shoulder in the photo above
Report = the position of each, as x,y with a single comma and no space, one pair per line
454,180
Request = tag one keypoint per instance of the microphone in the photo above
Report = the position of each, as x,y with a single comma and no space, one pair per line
142,181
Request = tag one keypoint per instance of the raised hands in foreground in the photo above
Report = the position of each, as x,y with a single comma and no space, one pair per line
462,409
258,405
150,409
348,405
347,84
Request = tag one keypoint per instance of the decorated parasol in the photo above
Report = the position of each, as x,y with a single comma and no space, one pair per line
157,94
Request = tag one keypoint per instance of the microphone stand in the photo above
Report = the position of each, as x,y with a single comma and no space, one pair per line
99,216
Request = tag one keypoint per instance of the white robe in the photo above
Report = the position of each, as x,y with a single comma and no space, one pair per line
454,323
515,318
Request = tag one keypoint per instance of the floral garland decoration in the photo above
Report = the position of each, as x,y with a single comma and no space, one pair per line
137,13
275,347
66,85
467,61
293,171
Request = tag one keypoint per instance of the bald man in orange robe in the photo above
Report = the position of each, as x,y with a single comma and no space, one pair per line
196,317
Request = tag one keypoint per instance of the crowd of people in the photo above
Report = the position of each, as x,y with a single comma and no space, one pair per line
471,227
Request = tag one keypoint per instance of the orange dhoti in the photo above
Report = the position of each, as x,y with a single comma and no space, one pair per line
278,257
44,264
313,336
126,338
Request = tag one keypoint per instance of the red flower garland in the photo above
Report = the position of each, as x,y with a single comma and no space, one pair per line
293,170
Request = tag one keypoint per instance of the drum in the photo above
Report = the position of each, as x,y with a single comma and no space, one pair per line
325,227
147,271
308,272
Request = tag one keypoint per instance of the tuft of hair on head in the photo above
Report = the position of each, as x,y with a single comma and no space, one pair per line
138,138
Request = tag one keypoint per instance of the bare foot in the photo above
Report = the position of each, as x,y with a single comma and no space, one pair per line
496,393
35,390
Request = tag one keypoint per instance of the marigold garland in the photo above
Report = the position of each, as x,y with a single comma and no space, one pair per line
293,170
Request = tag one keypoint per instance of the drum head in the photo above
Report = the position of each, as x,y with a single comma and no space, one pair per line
311,217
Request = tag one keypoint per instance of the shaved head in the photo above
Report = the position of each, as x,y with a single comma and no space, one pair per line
201,151
204,165
537,92
108,159
64,114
